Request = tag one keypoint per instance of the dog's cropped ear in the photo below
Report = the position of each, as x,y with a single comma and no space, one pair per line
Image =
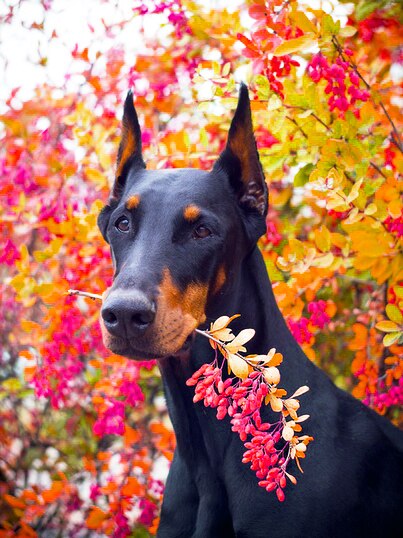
240,159
129,152
103,220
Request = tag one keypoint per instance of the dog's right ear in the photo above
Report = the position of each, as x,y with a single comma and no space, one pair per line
129,152
103,220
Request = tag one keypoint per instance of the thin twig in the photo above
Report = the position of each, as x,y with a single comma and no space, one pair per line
377,169
298,126
222,345
93,296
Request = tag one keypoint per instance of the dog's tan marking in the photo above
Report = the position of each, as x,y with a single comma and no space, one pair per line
178,314
128,145
133,201
240,146
191,301
220,279
191,212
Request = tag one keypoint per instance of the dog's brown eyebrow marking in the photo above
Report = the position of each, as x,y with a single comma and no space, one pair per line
133,201
191,212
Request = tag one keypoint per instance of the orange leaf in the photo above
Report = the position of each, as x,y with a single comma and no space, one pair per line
29,372
133,487
26,354
131,436
14,502
95,518
50,495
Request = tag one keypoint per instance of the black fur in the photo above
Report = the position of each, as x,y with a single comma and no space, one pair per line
353,472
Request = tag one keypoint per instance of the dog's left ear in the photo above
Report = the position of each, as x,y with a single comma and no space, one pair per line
129,152
240,159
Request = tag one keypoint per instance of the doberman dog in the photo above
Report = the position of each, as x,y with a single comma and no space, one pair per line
183,244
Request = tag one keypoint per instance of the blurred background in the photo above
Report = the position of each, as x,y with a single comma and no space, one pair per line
85,441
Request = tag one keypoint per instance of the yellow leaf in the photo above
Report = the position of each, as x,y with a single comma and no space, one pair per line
303,22
354,191
354,216
288,433
237,343
276,404
395,208
299,392
238,366
391,338
96,177
347,31
371,209
272,375
219,323
387,326
295,45
226,69
292,403
338,240
322,239
324,260
394,313
297,247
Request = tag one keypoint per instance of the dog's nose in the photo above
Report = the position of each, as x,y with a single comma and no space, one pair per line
127,313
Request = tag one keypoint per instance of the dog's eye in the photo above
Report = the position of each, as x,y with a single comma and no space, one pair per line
122,224
201,232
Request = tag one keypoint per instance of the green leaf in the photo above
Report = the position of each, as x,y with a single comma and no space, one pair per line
365,8
263,87
302,176
329,27
12,384
295,45
272,162
274,274
370,187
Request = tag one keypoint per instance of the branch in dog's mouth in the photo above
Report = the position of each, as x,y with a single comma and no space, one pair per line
93,296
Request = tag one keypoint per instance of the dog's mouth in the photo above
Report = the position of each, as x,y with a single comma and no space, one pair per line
133,349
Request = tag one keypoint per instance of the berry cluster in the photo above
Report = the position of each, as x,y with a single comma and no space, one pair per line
382,401
303,329
319,315
300,330
279,67
272,234
394,226
269,446
342,94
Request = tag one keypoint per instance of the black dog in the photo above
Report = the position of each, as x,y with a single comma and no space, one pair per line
184,249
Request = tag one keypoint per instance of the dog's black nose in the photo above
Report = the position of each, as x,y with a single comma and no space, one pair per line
127,313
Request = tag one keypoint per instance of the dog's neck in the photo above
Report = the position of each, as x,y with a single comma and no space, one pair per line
252,297
250,294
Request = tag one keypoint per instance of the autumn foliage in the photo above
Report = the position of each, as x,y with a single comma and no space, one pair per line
85,441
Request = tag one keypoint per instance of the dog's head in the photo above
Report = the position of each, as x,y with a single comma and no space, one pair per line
177,236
